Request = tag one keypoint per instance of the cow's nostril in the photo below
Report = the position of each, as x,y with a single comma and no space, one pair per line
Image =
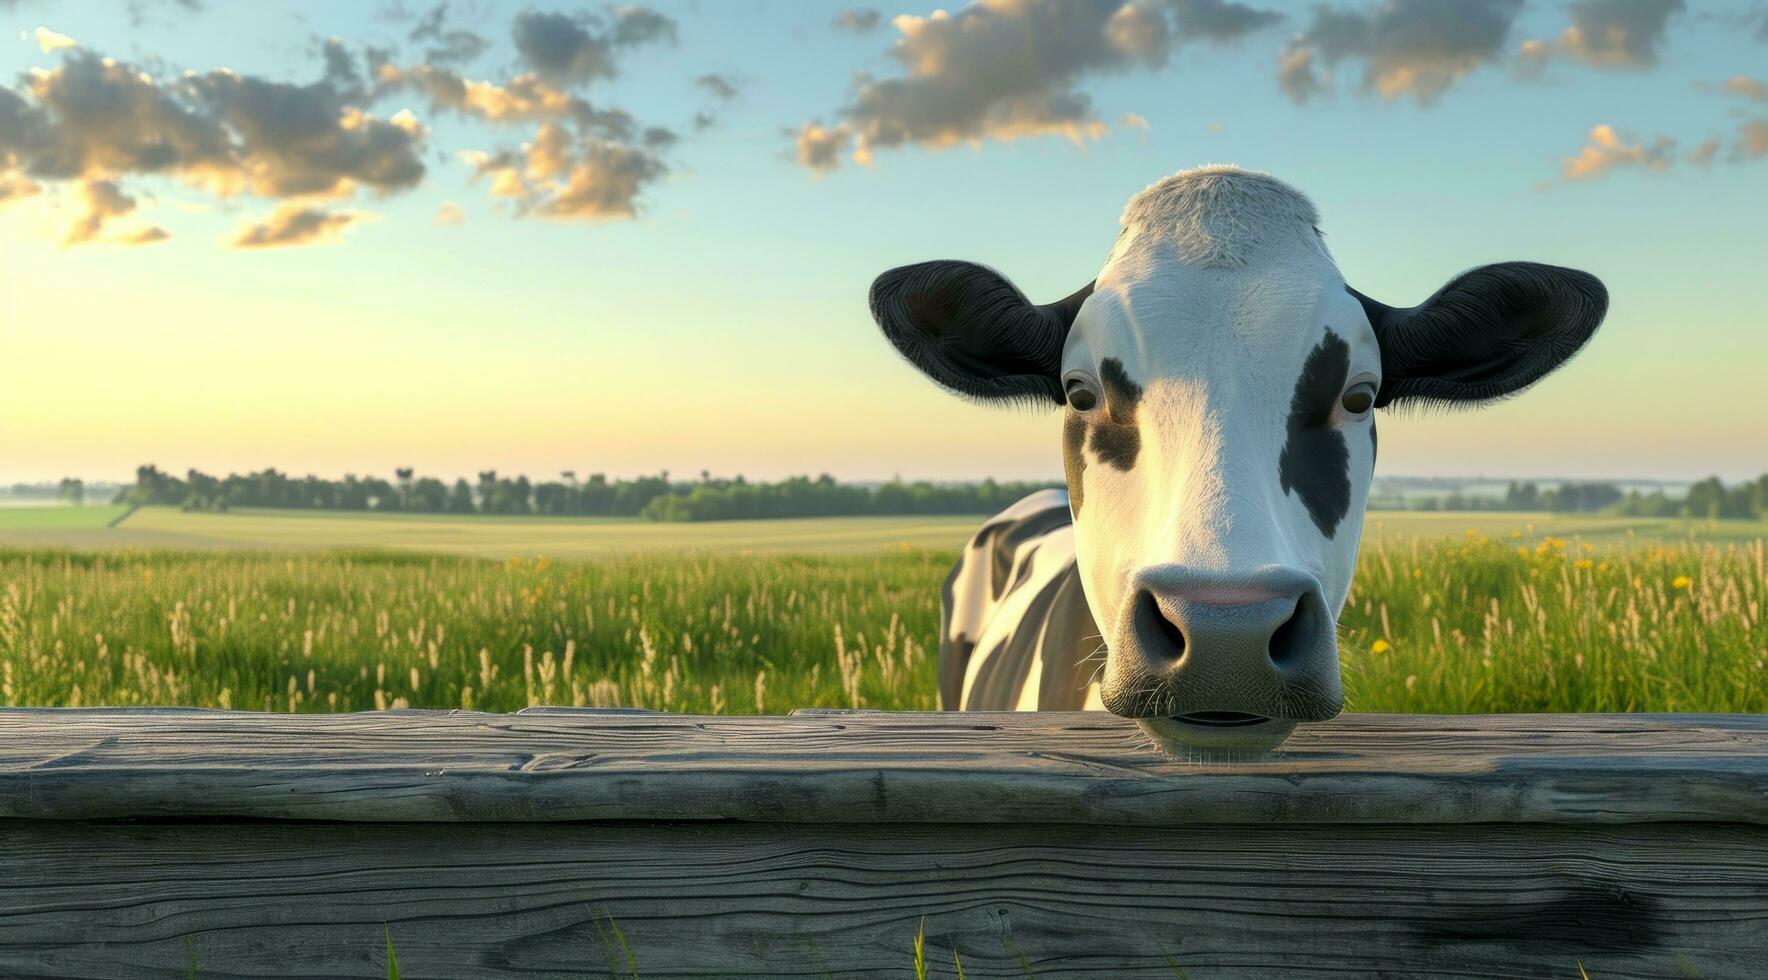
1291,641
1174,648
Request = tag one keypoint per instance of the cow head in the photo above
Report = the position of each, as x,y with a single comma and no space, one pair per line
1218,381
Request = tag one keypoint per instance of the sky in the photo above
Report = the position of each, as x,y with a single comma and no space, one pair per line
341,237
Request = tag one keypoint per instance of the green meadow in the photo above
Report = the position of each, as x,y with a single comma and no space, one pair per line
304,612
480,536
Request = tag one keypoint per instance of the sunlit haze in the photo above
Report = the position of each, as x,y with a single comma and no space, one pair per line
419,251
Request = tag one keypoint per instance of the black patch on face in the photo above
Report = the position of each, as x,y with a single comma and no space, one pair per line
1116,439
1315,462
1372,448
1074,462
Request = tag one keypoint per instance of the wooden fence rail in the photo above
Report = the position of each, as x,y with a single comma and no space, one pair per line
548,842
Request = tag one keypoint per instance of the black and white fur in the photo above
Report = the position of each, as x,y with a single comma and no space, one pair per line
1218,379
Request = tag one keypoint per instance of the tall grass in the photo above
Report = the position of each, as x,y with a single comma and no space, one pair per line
314,632
1521,624
1471,624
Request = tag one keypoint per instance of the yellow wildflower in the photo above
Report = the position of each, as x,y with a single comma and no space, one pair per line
1681,582
1380,646
1584,564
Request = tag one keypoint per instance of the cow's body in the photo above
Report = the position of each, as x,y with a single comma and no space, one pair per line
1016,633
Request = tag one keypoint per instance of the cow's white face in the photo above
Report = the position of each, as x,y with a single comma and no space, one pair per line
1218,381
1218,445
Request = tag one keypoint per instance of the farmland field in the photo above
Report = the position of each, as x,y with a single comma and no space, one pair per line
477,536
1452,613
83,529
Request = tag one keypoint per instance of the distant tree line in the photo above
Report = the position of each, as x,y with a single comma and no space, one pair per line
654,497
71,490
1709,498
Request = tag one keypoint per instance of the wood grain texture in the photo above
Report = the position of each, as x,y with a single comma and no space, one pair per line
871,767
770,900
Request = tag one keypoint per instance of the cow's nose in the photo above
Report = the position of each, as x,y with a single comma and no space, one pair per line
1218,650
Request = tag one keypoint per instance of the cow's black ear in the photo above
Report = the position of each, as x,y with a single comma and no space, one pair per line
1490,332
969,329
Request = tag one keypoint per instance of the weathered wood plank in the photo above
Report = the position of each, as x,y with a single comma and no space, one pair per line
770,900
865,767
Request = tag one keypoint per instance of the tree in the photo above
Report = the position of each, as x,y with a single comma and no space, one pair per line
487,486
71,491
403,474
460,499
1705,499
430,496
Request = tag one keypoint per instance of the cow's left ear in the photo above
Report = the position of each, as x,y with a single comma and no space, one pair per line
973,332
1490,332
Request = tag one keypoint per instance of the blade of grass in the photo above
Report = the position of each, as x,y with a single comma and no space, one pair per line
392,957
1581,972
1178,971
921,950
1012,949
601,936
620,937
822,964
959,963
189,958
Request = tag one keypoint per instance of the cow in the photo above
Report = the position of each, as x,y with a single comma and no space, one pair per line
1218,381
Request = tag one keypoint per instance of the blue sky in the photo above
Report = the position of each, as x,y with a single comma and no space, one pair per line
714,317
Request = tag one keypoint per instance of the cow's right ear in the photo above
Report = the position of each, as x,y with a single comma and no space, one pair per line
971,331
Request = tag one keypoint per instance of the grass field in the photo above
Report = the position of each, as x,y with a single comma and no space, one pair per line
83,529
567,538
1451,613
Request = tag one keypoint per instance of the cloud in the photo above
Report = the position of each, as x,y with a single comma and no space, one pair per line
98,123
1745,86
1624,34
145,236
1009,70
1752,140
1296,75
295,223
602,182
451,213
16,187
138,9
1220,21
1130,120
575,176
49,41
820,148
1608,150
449,46
1409,48
226,133
722,86
524,98
862,20
103,201
567,49
304,140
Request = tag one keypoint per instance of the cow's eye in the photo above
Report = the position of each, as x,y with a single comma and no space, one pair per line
1082,396
1358,398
